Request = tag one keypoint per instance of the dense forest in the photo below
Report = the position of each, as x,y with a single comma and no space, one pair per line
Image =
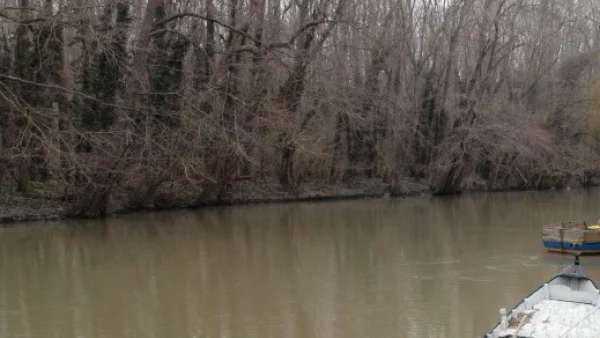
103,96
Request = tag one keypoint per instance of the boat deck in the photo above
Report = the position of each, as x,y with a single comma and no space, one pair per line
553,318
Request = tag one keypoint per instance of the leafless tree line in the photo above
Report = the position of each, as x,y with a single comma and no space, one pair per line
136,95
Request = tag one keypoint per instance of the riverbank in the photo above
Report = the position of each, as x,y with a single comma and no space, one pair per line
41,203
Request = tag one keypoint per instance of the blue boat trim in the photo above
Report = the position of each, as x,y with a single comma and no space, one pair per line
572,246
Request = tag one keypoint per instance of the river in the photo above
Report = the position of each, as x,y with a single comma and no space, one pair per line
410,267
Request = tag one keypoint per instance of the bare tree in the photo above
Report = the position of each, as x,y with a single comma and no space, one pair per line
135,103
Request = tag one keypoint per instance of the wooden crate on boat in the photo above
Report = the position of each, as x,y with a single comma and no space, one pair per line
563,234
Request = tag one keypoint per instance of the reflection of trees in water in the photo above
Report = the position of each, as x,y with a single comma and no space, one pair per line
409,267
305,270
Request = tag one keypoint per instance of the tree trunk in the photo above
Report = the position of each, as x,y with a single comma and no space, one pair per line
23,174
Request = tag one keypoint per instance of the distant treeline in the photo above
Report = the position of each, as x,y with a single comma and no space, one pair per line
103,95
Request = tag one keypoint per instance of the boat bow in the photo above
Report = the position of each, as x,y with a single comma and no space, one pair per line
565,306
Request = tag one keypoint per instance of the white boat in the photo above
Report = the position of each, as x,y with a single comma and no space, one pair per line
567,306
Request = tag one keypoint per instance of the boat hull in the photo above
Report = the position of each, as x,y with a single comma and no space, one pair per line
585,248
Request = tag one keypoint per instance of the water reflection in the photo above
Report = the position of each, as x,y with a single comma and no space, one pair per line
413,267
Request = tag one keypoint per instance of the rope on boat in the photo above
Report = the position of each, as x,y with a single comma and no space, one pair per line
521,323
579,322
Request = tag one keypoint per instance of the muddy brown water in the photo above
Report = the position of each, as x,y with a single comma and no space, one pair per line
412,267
